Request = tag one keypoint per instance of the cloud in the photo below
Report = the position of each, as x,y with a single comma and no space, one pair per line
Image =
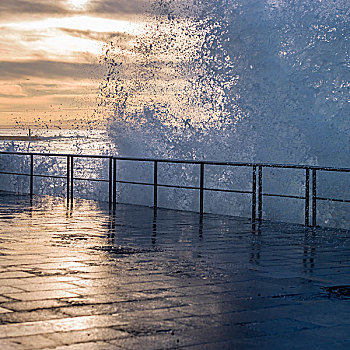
123,7
32,7
25,8
99,36
10,89
42,87
47,69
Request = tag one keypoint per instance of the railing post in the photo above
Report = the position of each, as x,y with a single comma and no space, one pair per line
71,177
154,227
314,195
201,189
68,176
114,183
307,196
155,184
254,195
110,179
31,185
260,194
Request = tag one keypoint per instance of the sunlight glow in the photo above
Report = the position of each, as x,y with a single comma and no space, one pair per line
64,46
78,4
95,24
62,38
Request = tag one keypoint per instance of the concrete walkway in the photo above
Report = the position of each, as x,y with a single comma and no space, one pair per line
82,279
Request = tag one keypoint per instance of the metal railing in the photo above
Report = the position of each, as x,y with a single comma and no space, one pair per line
256,192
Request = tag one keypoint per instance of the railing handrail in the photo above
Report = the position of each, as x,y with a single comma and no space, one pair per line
256,192
183,161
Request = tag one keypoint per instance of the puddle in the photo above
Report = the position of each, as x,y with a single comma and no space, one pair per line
338,291
120,250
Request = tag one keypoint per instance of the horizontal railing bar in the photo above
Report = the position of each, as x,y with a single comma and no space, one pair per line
151,184
214,163
9,173
226,190
340,170
333,200
76,178
295,166
181,187
53,176
184,187
283,195
63,177
49,176
134,183
57,154
85,179
301,197
176,161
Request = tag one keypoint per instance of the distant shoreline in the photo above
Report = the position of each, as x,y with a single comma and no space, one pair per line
38,138
20,138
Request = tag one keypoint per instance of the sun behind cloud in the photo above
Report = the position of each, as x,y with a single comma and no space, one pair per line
78,4
50,51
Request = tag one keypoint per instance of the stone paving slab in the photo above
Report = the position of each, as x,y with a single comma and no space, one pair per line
83,278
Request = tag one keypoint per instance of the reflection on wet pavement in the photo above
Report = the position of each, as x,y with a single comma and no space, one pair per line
81,278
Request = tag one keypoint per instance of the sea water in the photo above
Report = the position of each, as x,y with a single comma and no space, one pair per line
54,141
57,141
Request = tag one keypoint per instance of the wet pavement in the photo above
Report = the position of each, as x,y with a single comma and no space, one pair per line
80,278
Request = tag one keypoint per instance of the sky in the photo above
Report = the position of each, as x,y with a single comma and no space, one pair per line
49,56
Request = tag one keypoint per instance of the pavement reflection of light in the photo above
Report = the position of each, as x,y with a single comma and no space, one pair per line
140,276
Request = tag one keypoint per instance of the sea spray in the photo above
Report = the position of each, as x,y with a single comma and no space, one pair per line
264,81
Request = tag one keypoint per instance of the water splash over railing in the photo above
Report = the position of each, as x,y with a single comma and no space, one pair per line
256,193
